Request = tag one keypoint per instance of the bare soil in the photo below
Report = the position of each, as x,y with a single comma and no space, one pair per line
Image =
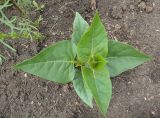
136,93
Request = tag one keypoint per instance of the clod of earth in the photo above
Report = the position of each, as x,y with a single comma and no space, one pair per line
117,12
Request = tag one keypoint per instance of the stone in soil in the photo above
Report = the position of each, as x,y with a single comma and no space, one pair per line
142,5
137,1
117,12
132,7
149,9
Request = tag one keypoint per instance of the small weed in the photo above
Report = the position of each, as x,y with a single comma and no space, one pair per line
19,26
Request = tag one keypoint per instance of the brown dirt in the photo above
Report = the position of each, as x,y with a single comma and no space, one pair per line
136,93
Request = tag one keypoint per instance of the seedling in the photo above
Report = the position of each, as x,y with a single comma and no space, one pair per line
88,60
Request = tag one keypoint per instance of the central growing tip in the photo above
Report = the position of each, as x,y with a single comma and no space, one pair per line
97,62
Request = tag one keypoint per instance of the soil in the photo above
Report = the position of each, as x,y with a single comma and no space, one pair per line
136,93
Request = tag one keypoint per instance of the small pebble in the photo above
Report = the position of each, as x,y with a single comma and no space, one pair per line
151,98
137,1
132,7
124,7
32,102
149,9
54,33
25,75
153,4
93,4
153,113
117,27
55,18
39,103
46,88
77,104
65,88
117,12
142,5
129,82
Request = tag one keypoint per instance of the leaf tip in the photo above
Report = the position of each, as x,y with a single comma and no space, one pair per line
151,58
77,14
97,14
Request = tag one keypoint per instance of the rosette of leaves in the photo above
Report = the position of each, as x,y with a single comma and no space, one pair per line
88,60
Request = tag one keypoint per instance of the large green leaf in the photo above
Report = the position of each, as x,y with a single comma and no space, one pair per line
55,63
100,85
81,89
80,26
93,42
122,57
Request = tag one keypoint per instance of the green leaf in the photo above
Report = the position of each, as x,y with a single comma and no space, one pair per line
80,26
82,90
100,85
122,57
93,42
55,63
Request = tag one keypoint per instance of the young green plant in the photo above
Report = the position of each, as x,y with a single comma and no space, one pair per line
88,60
